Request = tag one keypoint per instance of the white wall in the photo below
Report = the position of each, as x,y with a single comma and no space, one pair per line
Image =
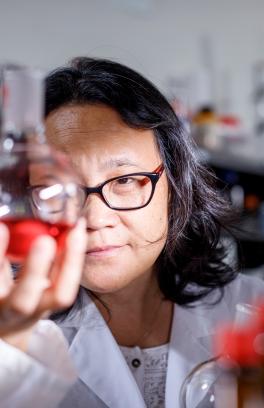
161,42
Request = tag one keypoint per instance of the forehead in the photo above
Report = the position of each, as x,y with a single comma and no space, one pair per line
98,130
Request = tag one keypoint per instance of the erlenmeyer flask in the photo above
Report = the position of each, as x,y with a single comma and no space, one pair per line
38,188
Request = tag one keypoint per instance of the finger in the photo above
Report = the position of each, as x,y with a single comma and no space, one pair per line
64,290
33,281
6,280
4,238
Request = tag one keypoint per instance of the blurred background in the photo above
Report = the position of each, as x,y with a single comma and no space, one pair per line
207,56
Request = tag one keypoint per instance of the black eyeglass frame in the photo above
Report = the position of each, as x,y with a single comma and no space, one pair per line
153,176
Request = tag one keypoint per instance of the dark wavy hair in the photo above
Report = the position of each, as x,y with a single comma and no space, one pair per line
192,263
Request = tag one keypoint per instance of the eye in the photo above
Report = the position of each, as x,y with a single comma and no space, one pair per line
125,180
124,185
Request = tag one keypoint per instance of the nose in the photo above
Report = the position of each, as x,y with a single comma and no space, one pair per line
98,215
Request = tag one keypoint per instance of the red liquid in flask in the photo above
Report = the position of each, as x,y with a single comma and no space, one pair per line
23,231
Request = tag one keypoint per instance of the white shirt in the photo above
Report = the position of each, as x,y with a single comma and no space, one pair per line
149,367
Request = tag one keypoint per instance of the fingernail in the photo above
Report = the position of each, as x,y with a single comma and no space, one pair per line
3,228
82,223
43,241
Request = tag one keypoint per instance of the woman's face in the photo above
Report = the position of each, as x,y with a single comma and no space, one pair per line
122,245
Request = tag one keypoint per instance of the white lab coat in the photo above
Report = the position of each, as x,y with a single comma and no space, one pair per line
105,379
39,378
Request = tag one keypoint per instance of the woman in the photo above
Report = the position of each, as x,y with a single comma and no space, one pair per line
153,227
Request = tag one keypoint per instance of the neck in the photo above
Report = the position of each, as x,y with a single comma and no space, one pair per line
133,297
139,314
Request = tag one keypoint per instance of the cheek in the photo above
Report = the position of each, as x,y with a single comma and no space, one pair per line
156,213
150,223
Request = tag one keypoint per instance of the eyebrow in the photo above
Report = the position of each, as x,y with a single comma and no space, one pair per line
44,178
118,162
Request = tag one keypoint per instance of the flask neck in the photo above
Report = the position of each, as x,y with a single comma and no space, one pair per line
22,106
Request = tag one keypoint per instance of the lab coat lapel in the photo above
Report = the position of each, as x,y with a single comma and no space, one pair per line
191,343
101,365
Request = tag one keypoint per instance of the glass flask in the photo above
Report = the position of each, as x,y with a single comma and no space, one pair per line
235,377
198,387
38,188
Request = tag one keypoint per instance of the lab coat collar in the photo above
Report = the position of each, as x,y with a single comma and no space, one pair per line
192,339
95,352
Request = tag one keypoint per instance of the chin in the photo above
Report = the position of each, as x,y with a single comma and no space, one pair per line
103,282
101,289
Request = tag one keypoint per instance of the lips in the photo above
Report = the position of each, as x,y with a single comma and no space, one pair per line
104,250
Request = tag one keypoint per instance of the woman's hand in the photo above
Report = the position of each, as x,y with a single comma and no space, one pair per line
46,283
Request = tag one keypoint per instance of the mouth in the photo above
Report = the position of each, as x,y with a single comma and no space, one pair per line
104,251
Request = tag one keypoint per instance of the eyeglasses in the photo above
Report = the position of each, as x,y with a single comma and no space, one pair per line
127,192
